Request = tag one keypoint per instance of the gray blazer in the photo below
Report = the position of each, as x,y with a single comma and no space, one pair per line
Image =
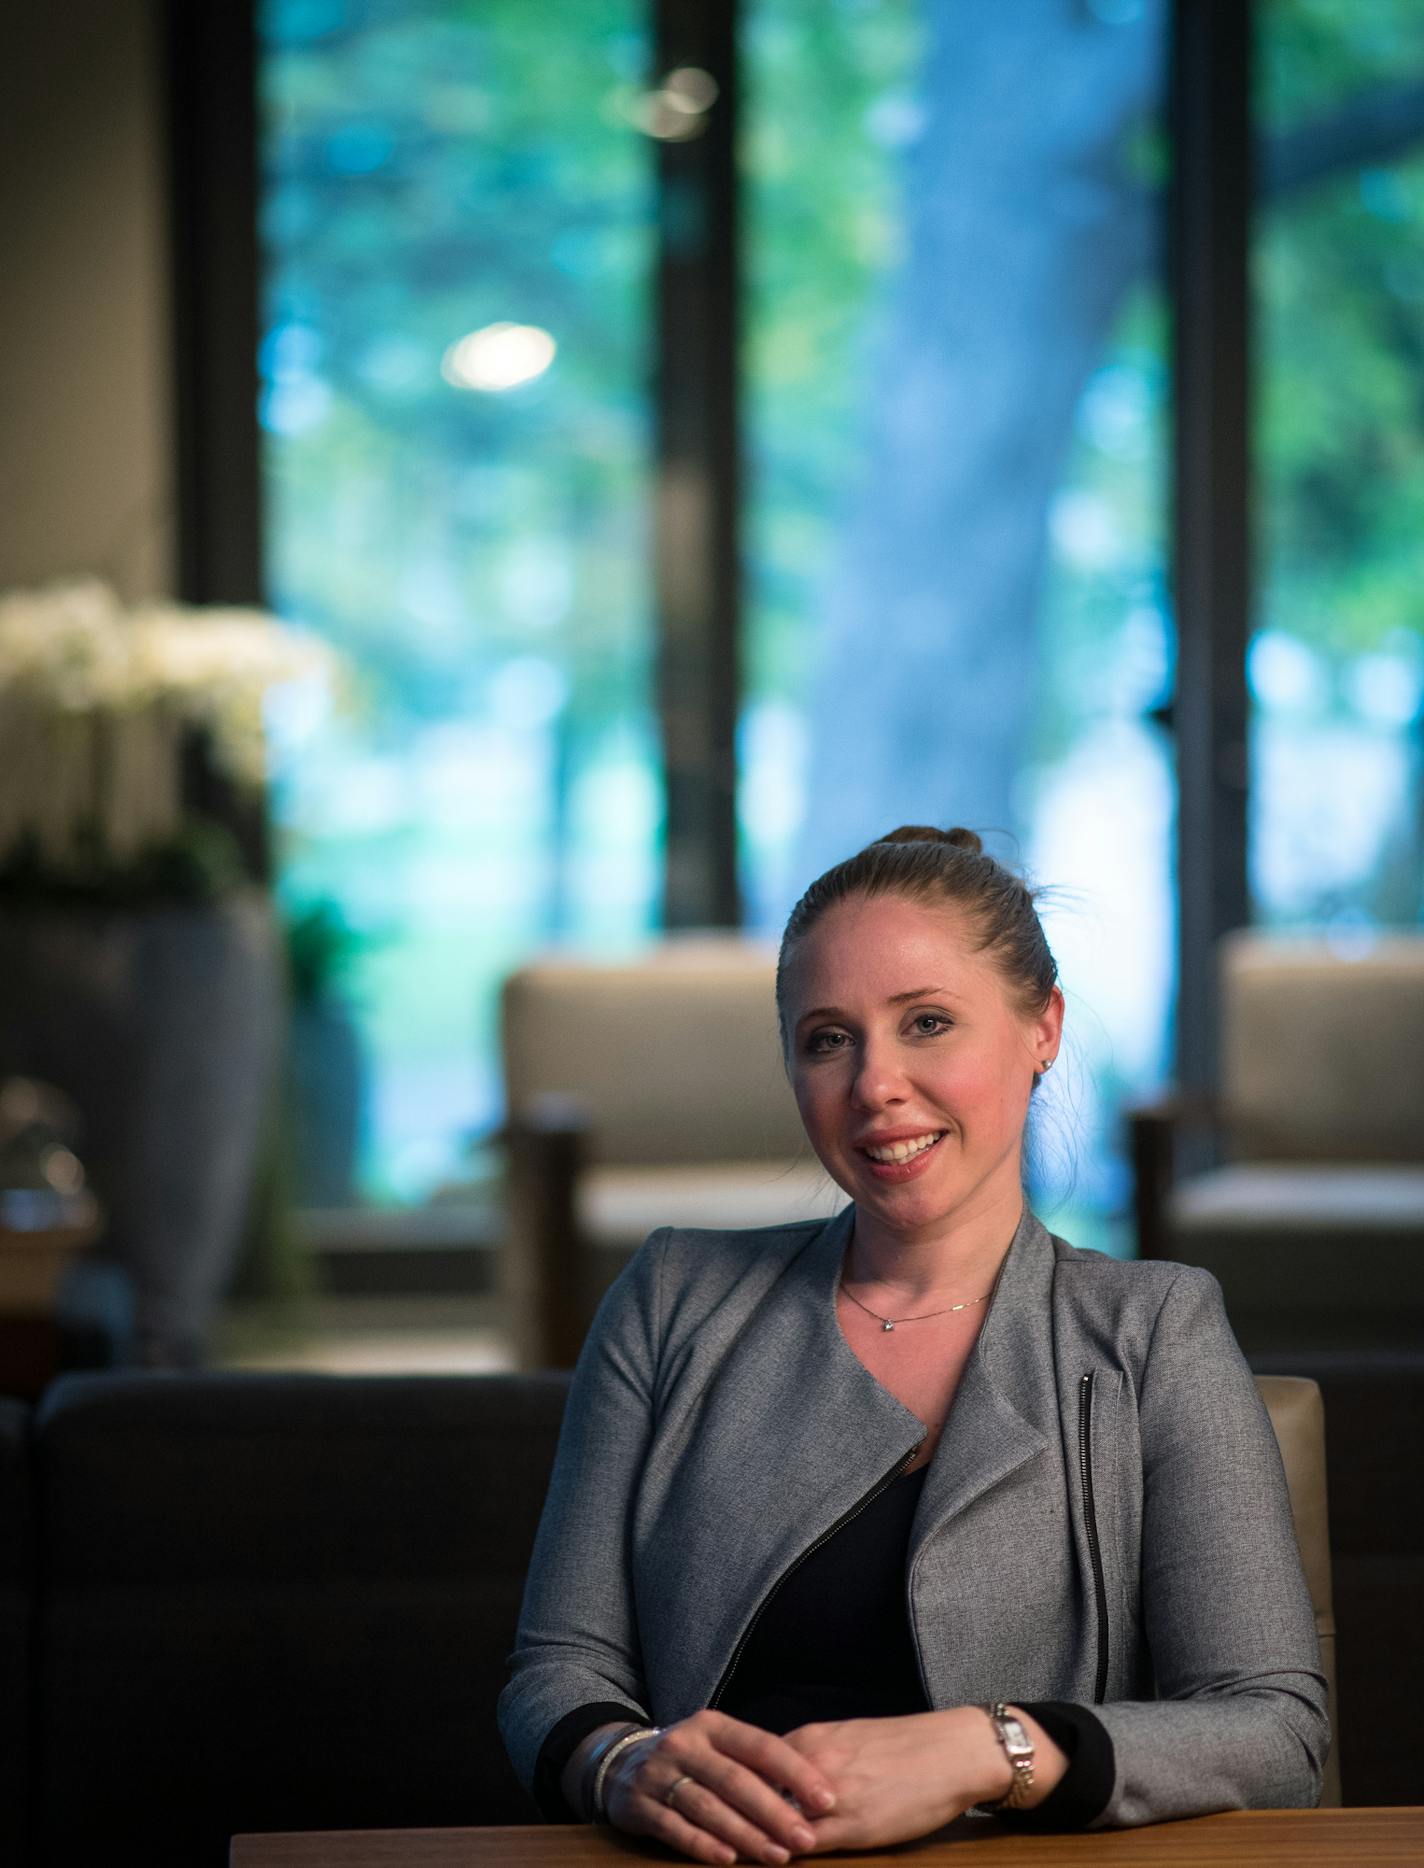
1105,1519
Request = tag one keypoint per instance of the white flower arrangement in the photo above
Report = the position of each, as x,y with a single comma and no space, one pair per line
99,706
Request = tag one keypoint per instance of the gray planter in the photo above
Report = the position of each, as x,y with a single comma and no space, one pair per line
163,1025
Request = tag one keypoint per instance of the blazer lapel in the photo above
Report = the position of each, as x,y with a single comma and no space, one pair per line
988,1563
791,1432
1006,1389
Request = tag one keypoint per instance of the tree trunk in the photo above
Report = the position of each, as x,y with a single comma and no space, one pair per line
1023,233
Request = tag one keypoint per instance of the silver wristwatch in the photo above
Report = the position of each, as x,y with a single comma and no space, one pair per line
1019,1746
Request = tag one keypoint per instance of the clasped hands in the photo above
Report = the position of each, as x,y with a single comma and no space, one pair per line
720,1790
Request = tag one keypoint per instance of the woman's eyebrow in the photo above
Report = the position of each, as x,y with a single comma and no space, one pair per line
820,1011
896,998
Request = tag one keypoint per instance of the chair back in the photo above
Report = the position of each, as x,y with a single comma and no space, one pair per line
1322,1052
1298,1417
672,1056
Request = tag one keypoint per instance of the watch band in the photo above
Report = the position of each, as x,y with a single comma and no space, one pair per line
1019,1746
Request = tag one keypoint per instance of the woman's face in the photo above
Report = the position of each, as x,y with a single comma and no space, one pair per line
911,1065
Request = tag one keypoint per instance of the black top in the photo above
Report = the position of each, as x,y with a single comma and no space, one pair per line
833,1641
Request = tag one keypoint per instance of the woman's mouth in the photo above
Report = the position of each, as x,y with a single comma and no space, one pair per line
902,1159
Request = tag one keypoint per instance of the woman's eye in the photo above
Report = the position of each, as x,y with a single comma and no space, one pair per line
930,1024
820,1042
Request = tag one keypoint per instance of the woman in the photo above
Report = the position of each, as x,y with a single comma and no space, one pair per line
856,1525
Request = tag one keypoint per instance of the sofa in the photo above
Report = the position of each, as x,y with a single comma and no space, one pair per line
235,1602
241,1602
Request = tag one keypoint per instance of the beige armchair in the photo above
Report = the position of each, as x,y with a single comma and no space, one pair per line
1313,1218
640,1094
1298,1417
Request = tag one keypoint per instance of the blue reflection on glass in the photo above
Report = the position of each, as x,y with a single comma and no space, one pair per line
359,148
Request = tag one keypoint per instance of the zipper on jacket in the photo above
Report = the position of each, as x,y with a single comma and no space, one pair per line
791,1568
1095,1555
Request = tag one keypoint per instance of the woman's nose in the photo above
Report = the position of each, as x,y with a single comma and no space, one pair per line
879,1079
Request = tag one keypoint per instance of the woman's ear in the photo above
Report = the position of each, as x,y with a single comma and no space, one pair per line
1047,1033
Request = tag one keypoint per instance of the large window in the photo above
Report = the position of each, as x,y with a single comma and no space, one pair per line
955,428
456,232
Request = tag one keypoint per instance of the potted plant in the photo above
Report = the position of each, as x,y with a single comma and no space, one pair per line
140,967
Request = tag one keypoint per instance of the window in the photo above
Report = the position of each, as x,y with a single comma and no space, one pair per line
1337,661
456,230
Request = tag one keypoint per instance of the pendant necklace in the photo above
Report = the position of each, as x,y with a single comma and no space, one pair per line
888,1323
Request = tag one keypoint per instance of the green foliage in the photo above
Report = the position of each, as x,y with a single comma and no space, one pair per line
432,171
1339,286
832,94
322,948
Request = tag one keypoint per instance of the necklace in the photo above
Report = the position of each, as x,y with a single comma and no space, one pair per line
888,1323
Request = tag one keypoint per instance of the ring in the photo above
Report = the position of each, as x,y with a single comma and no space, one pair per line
677,1783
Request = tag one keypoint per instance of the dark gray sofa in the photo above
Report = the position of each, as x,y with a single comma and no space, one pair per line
242,1602
236,1602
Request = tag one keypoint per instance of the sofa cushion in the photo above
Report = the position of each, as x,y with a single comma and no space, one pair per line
621,1206
1323,1046
674,1055
278,1602
1281,1199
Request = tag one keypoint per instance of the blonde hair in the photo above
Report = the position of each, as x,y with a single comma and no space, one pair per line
940,868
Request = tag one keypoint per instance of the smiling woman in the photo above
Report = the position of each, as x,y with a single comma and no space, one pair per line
859,1524
914,1095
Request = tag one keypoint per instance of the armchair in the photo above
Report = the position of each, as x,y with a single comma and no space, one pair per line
641,1093
1311,1212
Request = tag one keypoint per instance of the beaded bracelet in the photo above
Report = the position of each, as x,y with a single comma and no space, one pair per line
632,1736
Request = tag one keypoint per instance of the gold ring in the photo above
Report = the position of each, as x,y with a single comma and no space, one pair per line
677,1783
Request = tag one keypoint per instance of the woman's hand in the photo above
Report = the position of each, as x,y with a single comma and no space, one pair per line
896,1779
726,1781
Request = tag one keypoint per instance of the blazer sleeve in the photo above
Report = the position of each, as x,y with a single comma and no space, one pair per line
577,1641
1240,1719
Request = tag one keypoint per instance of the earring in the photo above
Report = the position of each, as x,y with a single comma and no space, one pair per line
1045,1066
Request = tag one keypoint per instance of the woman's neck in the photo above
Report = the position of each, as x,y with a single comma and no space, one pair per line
956,1262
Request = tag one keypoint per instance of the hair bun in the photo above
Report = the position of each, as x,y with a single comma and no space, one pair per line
957,839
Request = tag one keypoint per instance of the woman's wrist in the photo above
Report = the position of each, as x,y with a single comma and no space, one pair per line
576,1781
1050,1761
983,1772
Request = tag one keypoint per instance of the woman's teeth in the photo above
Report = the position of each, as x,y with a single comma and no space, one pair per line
904,1151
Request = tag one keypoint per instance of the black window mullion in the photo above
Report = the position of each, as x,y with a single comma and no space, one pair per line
211,85
698,480
1209,207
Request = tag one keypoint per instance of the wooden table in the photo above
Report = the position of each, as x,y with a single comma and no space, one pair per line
1240,1839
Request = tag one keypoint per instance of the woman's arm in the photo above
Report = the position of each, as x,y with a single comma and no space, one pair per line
577,1667
1240,1718
897,1779
577,1642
